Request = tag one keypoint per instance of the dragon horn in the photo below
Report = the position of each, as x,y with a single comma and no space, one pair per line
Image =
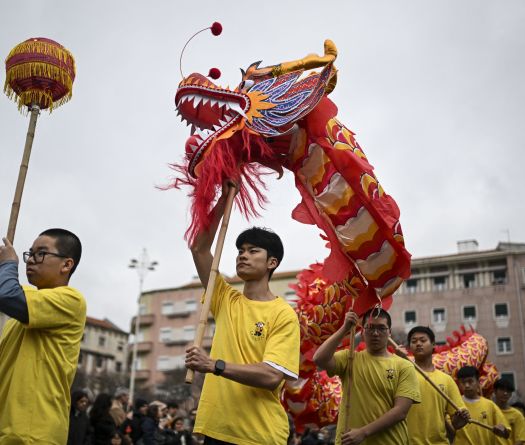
310,61
306,63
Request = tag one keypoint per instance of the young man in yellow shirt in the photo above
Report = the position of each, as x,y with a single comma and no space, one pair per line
426,421
40,345
255,345
383,386
503,390
481,409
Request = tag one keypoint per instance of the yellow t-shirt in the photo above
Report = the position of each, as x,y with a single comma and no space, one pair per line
248,332
517,424
38,362
487,412
426,421
376,382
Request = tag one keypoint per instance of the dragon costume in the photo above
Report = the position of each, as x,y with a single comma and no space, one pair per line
280,117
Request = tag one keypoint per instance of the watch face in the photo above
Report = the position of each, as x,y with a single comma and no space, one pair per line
219,367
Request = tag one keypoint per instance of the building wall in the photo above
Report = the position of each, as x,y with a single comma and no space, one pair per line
479,289
103,349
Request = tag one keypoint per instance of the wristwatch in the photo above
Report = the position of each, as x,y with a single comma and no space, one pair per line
220,366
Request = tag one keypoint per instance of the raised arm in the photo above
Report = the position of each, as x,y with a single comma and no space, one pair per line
12,298
201,246
324,356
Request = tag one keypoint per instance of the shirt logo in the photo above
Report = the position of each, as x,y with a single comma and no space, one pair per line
390,374
258,332
484,415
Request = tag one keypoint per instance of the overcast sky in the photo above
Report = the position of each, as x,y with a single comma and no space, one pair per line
435,92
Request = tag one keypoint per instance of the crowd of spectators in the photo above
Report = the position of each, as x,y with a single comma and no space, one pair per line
109,420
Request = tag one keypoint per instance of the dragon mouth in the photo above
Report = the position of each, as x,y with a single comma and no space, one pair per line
210,110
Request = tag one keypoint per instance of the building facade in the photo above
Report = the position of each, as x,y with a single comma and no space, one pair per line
104,348
482,289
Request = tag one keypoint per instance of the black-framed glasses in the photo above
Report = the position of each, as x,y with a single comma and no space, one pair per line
40,256
379,329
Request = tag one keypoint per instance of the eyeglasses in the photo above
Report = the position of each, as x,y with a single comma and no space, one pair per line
40,256
379,329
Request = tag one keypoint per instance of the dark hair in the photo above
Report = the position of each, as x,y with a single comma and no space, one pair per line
377,312
172,404
468,371
153,411
504,384
139,403
177,419
422,330
101,407
265,239
76,396
68,244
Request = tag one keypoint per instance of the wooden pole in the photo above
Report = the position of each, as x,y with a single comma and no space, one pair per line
15,208
346,423
201,328
436,387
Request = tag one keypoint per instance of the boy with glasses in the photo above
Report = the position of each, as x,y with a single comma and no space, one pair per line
383,386
39,347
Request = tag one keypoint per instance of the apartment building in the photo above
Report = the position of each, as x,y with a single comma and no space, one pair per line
103,348
168,320
482,289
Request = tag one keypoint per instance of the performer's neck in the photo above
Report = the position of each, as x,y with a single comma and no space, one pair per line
258,291
425,363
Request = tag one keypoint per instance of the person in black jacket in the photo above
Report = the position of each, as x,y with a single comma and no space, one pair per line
79,426
132,427
103,425
151,433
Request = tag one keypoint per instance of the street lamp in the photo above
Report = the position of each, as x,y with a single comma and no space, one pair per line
143,265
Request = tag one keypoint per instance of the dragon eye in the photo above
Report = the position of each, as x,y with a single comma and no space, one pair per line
246,84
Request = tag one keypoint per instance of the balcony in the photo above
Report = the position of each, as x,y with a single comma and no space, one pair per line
144,347
178,337
143,374
145,320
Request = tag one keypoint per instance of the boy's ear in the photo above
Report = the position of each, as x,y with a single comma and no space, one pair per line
68,265
272,262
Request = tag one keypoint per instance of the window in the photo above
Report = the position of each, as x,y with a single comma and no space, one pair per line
191,305
167,308
501,310
102,342
410,317
439,315
469,313
120,346
469,280
118,366
499,277
99,362
411,286
165,334
143,309
440,283
504,345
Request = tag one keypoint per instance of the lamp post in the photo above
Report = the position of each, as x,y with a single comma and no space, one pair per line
143,265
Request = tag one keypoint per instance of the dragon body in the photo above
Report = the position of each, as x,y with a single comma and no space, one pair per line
280,118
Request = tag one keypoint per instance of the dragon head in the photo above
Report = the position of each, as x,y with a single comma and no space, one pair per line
268,102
